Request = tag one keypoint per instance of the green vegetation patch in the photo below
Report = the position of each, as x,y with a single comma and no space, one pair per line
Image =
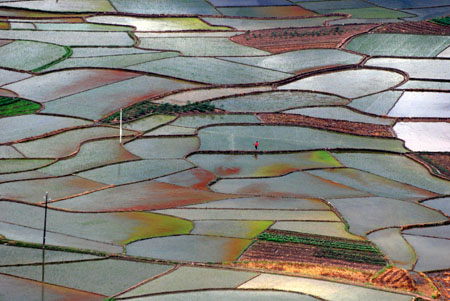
442,21
146,108
11,106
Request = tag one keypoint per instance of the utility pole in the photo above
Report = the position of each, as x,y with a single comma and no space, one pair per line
120,140
43,237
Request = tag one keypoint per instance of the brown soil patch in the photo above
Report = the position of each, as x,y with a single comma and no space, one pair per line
395,278
422,27
442,281
342,126
289,39
309,269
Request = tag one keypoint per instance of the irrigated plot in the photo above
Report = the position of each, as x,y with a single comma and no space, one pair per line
33,190
295,61
210,70
171,130
67,38
442,204
96,103
91,154
85,275
162,7
157,24
436,231
432,253
370,213
320,288
427,13
196,248
27,55
378,104
193,96
374,14
401,4
416,68
81,27
163,148
256,215
148,195
392,243
287,138
7,76
297,184
66,143
237,229
196,178
111,228
18,165
197,121
340,113
148,123
333,5
8,152
63,5
135,171
374,184
266,11
425,85
19,255
265,203
55,85
88,52
395,167
28,126
189,46
268,165
190,278
422,104
14,288
276,101
348,83
334,229
250,2
424,136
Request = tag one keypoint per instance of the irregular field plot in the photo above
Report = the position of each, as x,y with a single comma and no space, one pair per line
436,231
8,152
424,136
266,11
203,120
365,214
27,55
373,13
362,82
162,7
410,3
148,123
18,165
424,85
196,178
163,148
27,126
190,278
92,52
431,252
264,165
146,196
378,104
64,5
196,248
250,2
442,204
169,130
85,275
237,229
10,106
7,76
277,138
276,101
422,104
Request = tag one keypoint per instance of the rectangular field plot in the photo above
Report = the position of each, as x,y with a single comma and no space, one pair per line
265,165
276,138
266,11
276,101
366,214
399,44
334,229
422,104
33,190
378,104
416,68
392,243
373,184
190,278
157,24
68,38
27,55
96,103
237,229
163,7
432,253
149,195
85,275
210,70
196,248
395,167
295,61
27,126
297,184
256,215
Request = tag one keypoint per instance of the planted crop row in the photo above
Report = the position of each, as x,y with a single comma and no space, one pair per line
10,106
351,256
149,108
294,33
442,21
318,242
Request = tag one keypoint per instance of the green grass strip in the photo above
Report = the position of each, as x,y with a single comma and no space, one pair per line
442,21
11,106
65,56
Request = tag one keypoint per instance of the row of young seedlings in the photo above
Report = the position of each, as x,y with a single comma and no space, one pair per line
292,34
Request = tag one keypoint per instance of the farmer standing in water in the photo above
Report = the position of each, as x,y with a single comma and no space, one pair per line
256,145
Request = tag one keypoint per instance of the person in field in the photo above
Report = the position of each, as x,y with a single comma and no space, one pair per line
256,145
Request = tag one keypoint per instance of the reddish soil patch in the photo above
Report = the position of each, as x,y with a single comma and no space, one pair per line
4,42
435,161
289,39
442,281
422,27
397,279
357,128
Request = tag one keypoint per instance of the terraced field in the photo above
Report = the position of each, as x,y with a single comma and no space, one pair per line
224,149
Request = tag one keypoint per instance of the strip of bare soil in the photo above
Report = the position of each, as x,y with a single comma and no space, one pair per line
422,27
